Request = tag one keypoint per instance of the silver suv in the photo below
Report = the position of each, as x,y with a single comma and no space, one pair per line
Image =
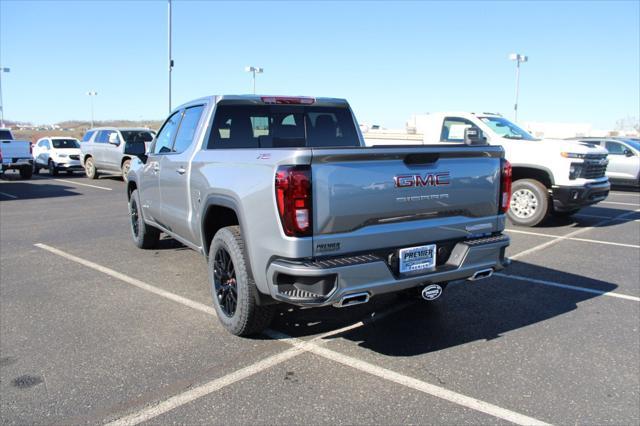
110,149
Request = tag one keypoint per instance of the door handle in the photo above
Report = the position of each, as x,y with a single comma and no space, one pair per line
181,170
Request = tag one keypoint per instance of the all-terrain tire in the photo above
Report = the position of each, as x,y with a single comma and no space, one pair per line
248,318
144,236
26,172
126,165
90,168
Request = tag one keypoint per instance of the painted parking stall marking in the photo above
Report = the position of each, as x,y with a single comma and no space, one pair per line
299,347
84,184
8,195
586,240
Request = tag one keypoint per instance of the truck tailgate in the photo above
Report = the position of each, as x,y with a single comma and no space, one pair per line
401,196
15,149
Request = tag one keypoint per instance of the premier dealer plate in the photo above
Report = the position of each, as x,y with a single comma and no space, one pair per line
417,258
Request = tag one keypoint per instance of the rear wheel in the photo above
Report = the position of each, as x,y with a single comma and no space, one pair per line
26,172
529,202
53,171
144,236
234,292
90,168
126,165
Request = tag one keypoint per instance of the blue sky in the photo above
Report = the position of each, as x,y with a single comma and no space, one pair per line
389,59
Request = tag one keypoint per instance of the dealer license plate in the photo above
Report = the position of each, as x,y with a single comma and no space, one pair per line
417,258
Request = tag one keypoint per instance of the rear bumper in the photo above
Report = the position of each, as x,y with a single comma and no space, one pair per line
570,198
16,163
326,282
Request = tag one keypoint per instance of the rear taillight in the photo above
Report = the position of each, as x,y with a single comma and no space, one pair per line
505,186
288,100
293,198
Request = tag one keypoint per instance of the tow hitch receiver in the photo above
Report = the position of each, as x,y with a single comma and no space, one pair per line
432,292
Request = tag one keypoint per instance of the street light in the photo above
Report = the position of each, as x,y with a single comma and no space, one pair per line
92,94
169,46
2,70
519,59
254,70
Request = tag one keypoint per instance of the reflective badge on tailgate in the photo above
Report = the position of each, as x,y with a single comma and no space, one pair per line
417,258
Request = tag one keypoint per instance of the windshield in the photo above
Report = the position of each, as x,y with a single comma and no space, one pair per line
506,129
137,136
65,143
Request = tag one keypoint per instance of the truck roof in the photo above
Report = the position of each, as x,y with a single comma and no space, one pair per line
258,99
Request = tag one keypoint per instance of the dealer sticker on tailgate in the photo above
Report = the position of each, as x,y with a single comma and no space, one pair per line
417,258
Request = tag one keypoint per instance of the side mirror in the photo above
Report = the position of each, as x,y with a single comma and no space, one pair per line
474,136
628,153
114,139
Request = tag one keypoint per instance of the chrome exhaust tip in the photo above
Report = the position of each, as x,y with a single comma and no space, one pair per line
482,274
353,299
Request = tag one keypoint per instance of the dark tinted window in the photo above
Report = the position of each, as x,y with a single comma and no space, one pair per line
88,135
5,134
102,136
164,140
187,129
136,136
65,143
282,126
615,148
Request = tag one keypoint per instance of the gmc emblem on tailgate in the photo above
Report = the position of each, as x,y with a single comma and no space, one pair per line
430,179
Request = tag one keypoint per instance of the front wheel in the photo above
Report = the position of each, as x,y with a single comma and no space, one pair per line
144,236
126,165
234,292
53,171
90,168
529,202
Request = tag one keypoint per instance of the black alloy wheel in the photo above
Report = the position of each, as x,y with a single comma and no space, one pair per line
224,280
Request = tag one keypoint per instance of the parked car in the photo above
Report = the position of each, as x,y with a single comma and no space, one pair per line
15,155
549,176
282,197
110,150
624,159
57,154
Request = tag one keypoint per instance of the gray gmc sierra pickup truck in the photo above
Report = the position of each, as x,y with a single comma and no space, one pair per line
282,197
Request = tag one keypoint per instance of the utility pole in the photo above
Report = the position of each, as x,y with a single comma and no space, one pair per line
2,70
92,94
170,59
519,59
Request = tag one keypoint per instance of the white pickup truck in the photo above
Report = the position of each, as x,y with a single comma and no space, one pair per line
549,176
15,154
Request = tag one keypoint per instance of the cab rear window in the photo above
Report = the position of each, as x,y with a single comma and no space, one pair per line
282,126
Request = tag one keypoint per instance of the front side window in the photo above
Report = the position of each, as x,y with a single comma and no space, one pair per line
102,136
65,143
282,126
506,129
164,141
615,148
187,129
453,129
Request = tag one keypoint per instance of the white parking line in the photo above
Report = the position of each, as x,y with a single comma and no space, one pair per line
8,195
569,287
517,231
84,184
622,204
570,235
299,347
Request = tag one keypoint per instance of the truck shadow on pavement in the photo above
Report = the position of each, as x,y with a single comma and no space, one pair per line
467,312
27,191
585,222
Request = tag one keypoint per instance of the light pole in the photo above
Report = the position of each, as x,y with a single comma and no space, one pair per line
254,70
519,59
92,94
169,44
2,70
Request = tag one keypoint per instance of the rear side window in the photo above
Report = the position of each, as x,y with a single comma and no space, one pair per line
615,148
282,126
164,140
87,136
187,129
453,129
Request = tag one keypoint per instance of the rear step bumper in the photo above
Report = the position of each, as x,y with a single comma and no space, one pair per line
336,280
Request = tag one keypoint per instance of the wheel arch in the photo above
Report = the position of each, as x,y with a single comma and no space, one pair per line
539,173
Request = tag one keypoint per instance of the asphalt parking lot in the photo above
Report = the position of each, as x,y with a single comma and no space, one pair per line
93,330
